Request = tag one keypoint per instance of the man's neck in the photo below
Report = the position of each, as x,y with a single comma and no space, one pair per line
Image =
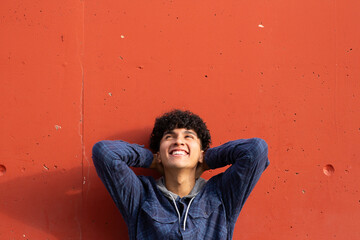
180,182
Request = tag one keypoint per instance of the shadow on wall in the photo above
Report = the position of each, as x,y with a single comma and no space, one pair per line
59,203
56,204
50,201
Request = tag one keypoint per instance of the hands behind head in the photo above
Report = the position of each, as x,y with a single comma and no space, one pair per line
201,167
157,165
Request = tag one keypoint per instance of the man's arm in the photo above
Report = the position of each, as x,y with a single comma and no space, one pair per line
248,158
112,160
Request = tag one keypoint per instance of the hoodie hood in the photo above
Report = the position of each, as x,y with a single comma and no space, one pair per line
199,184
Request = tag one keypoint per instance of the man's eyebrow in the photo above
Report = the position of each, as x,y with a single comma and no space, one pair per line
169,132
190,132
186,132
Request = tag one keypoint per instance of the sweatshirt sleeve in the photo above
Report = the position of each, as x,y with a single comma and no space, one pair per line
248,159
112,160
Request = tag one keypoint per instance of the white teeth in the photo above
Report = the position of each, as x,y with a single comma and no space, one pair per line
178,153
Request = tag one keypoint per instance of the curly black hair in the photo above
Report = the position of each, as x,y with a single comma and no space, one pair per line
179,119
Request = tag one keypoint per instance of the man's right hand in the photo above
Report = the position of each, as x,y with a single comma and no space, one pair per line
157,165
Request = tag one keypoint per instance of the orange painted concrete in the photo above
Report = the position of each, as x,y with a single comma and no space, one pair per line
76,72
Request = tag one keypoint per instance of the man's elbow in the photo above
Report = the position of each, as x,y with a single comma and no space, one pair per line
259,151
97,150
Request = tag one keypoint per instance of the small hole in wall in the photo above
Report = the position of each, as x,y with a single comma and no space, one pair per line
2,170
328,170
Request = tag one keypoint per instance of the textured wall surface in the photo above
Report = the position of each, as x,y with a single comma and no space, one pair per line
76,72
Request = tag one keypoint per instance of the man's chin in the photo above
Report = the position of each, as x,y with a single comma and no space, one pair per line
179,166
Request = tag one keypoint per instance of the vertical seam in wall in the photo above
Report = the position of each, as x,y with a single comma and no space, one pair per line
336,71
82,113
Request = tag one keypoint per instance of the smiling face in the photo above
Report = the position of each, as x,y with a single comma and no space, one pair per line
180,148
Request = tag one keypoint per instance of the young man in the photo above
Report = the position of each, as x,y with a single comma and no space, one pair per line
180,205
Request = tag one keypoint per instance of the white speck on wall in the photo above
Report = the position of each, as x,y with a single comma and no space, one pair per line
261,26
122,36
110,94
57,127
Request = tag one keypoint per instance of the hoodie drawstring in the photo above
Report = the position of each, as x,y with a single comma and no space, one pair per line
177,210
187,210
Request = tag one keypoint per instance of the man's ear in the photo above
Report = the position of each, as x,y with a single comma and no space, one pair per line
202,155
158,159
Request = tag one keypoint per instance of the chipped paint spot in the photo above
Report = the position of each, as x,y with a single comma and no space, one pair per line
110,94
45,167
73,192
261,26
122,36
57,127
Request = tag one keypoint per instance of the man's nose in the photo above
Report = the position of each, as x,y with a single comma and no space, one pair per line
179,141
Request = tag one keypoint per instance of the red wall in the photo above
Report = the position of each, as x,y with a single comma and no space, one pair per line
76,72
